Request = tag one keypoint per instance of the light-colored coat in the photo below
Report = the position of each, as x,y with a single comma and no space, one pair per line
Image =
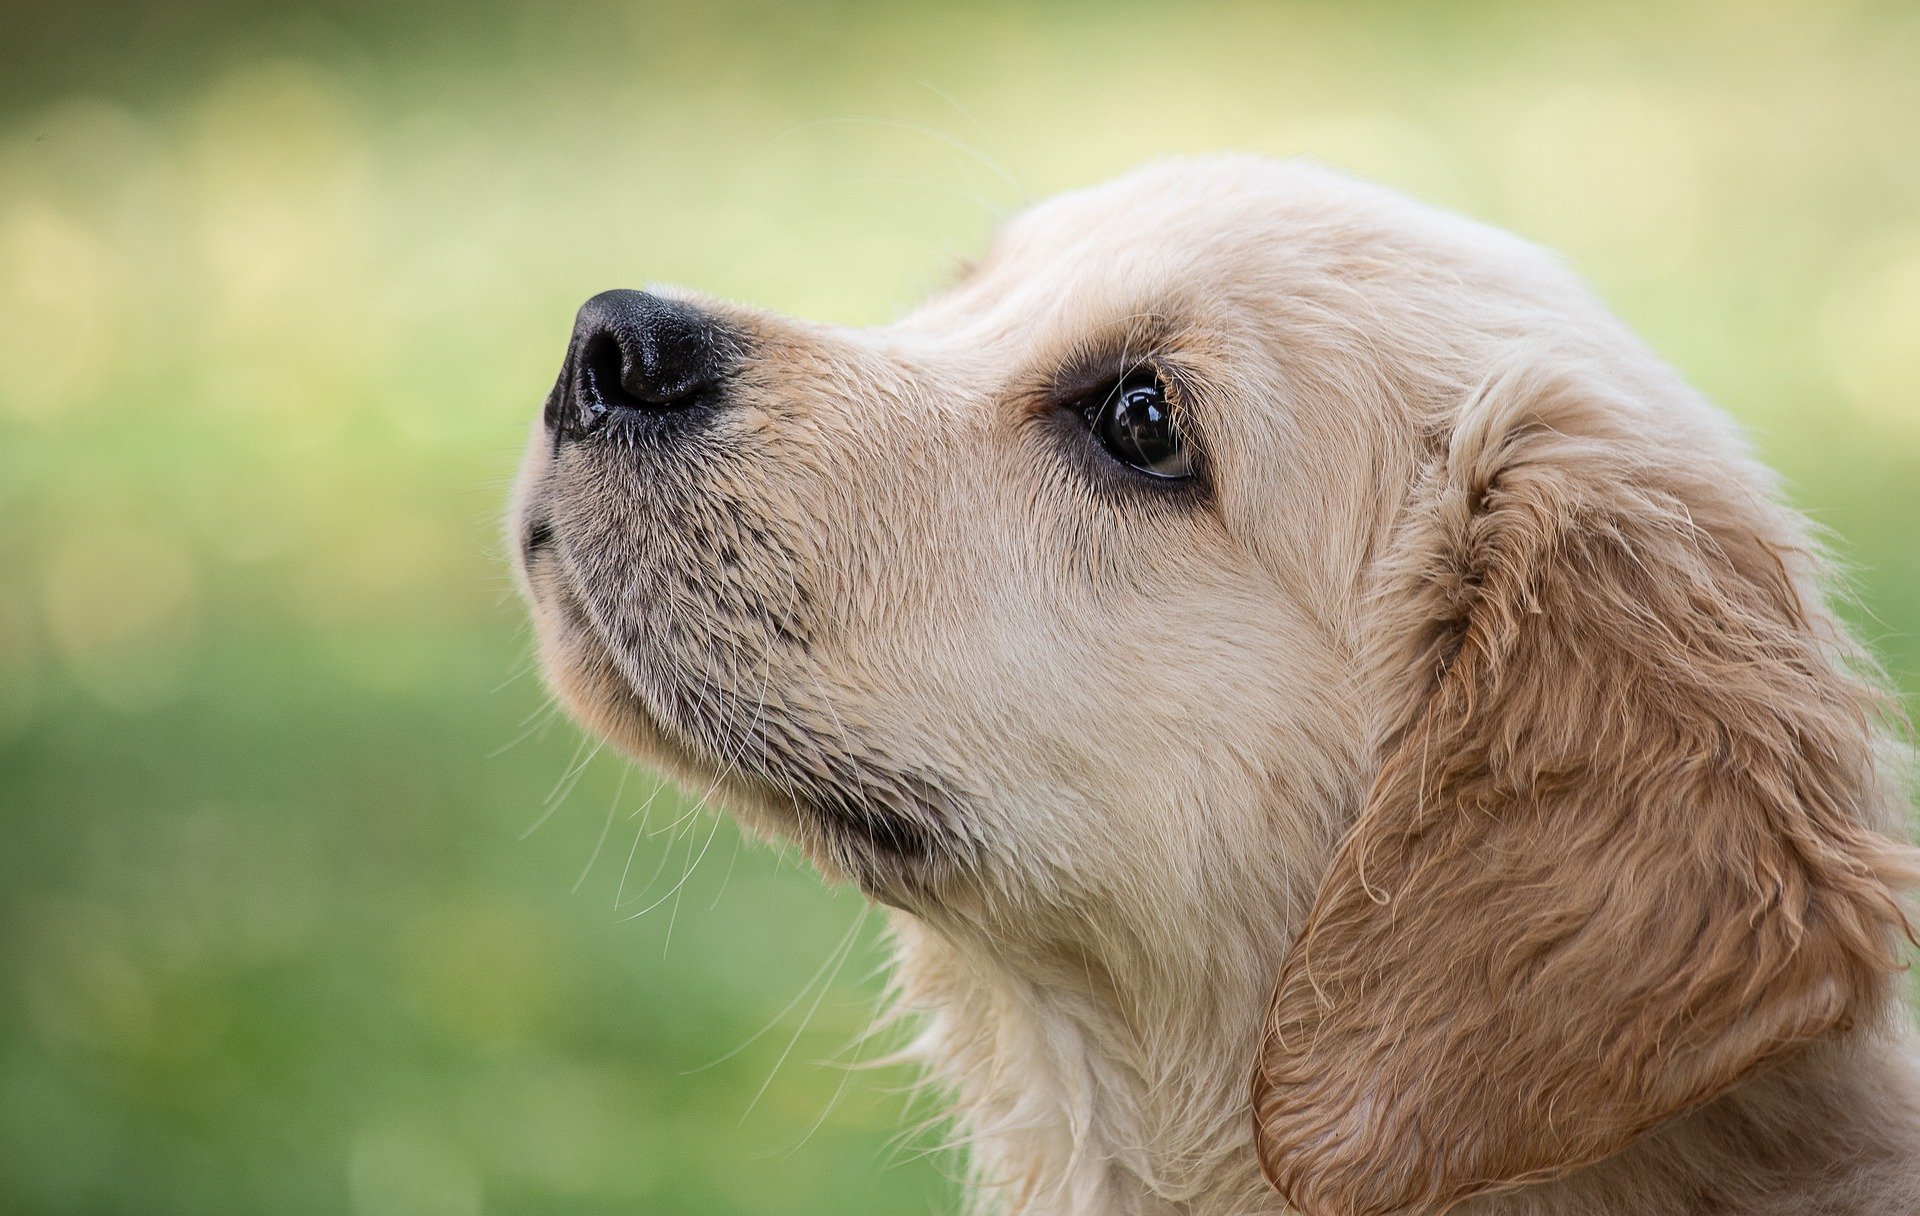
1460,797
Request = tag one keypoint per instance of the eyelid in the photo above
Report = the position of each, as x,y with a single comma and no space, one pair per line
1061,406
1080,381
1093,381
1091,369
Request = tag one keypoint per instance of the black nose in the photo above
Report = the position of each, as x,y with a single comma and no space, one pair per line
638,352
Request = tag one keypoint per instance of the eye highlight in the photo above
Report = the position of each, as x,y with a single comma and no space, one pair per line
1134,421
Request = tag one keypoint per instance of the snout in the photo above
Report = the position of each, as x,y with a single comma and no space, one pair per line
637,356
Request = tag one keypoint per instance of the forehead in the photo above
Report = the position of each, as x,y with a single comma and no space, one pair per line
1139,235
1182,238
1195,209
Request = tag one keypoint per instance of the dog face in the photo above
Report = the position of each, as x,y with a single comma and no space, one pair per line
900,597
1242,562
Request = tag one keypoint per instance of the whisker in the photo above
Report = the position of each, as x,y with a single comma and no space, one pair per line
842,944
605,828
1026,196
727,877
540,717
844,951
933,133
619,900
565,786
848,1071
688,872
679,888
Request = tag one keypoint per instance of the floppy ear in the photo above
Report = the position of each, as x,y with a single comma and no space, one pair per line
1617,854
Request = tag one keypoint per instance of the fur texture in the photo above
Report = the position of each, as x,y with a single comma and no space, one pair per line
1480,689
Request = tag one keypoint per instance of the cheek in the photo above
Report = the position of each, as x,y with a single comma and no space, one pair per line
1209,765
1135,681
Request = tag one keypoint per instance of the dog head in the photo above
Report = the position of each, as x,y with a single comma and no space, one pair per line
1241,563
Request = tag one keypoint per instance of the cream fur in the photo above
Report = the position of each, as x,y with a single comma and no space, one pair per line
1147,729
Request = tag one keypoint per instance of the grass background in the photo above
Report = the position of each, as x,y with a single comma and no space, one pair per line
281,288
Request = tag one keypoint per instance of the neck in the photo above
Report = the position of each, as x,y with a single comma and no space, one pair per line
1077,1096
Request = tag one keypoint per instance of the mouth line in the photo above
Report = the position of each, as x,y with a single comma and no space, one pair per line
889,827
535,540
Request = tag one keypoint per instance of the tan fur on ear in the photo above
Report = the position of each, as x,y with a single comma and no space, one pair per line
1620,850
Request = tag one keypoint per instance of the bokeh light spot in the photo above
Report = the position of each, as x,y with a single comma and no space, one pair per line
59,307
121,603
1870,337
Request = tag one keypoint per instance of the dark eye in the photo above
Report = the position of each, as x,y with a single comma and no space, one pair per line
1136,424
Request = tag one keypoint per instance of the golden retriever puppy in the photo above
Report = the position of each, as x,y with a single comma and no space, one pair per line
1341,727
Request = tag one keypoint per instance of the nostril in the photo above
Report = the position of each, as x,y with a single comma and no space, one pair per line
605,367
634,354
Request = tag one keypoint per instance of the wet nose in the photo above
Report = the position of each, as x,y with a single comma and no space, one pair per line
635,352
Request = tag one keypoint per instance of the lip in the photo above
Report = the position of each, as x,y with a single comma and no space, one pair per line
889,829
617,659
536,538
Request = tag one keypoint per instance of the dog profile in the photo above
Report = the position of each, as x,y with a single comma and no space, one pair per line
1338,725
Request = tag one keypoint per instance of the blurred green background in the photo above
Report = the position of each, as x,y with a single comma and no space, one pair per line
305,906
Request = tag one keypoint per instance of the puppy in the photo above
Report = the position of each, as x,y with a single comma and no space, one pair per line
1340,727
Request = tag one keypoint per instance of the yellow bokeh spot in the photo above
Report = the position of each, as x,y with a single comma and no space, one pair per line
122,605
1598,168
60,286
1870,338
481,970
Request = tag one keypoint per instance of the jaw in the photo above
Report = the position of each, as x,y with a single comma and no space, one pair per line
903,838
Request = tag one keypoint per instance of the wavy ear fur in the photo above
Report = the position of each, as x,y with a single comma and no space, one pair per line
1621,849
